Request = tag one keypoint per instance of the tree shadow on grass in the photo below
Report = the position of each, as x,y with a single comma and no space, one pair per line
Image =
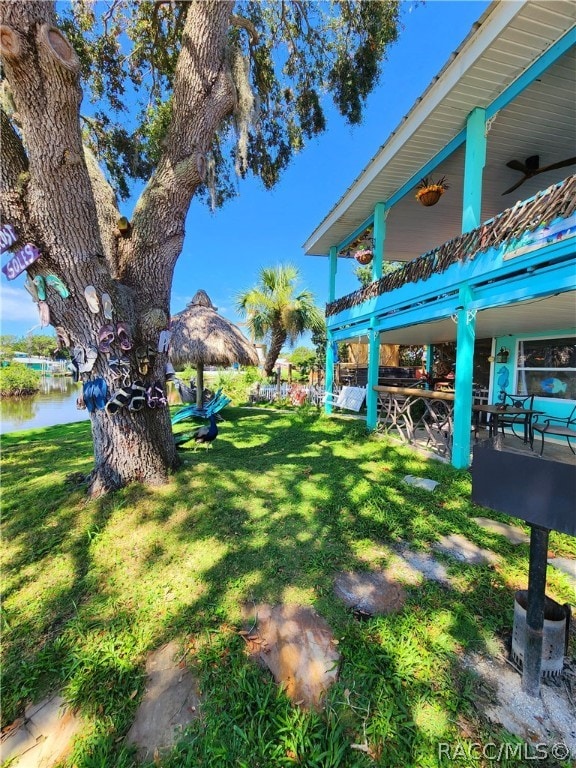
271,513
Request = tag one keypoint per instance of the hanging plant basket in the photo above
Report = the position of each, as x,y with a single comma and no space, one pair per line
429,196
429,193
364,256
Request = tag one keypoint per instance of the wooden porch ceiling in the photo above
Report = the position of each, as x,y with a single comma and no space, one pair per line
541,120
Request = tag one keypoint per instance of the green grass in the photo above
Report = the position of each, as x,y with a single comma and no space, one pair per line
280,504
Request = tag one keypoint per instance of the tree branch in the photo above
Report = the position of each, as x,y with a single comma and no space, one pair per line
14,176
240,21
203,96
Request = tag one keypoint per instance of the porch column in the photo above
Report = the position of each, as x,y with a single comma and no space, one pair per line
429,361
329,373
465,334
474,162
373,362
333,266
380,214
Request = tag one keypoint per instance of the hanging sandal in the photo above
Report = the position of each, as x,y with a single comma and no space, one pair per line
92,299
91,356
105,338
44,312
120,370
123,336
107,306
40,285
119,399
155,396
143,360
99,393
138,400
30,286
58,285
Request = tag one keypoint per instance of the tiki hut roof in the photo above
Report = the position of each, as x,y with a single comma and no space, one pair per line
201,336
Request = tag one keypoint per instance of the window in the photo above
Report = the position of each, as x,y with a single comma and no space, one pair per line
547,368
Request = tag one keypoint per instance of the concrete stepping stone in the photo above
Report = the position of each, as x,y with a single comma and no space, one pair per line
297,646
424,564
567,566
44,736
170,703
372,593
514,534
463,549
421,482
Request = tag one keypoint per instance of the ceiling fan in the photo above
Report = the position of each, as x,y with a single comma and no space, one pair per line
532,168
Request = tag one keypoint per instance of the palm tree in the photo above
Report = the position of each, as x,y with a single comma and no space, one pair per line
275,312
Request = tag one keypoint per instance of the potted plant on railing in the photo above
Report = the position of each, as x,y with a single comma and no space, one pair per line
364,254
430,192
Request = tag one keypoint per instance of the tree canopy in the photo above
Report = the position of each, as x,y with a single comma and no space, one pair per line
283,58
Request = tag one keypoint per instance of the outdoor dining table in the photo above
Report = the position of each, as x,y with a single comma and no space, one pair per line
495,410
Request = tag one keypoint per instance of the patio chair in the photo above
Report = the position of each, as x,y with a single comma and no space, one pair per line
554,425
512,420
349,398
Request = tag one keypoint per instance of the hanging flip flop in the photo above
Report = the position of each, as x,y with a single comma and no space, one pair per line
40,285
120,370
31,288
105,338
164,341
44,311
155,396
88,395
123,336
143,360
58,285
78,359
138,399
107,306
62,337
80,404
119,400
99,393
92,299
90,359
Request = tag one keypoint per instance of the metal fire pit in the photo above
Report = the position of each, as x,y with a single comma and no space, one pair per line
554,635
541,492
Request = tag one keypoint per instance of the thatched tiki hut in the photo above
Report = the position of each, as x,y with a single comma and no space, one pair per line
200,336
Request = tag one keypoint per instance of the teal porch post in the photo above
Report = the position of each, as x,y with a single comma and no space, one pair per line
333,262
373,362
429,361
329,374
380,214
465,335
474,161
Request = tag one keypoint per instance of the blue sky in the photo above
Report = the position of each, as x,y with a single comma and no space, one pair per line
224,250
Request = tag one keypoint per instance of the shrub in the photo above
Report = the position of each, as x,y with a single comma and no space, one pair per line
17,379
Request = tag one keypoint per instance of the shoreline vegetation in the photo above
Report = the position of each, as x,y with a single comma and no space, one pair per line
17,380
282,503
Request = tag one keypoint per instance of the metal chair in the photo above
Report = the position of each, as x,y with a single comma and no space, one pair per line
525,402
554,425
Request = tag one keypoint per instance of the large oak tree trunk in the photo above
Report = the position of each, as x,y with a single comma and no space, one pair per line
55,196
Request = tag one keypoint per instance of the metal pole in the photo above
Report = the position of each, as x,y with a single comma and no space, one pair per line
535,610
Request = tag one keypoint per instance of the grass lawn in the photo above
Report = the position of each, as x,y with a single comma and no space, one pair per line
282,503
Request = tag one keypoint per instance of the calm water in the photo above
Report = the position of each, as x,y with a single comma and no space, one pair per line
54,404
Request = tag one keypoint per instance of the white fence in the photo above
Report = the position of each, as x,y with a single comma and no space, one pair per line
298,394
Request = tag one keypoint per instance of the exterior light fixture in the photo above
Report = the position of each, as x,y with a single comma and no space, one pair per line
503,355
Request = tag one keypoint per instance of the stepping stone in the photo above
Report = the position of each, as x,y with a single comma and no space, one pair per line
297,646
170,703
514,534
44,737
567,566
421,482
370,592
463,549
425,564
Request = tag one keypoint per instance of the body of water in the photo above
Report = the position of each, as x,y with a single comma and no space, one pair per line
55,403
